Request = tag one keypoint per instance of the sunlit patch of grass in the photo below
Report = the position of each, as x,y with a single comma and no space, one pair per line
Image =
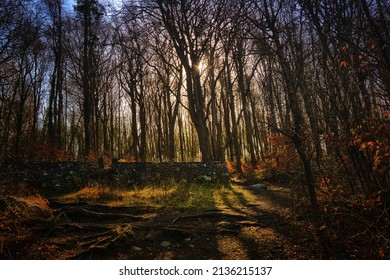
228,195
16,212
156,196
36,200
168,195
235,200
95,193
193,196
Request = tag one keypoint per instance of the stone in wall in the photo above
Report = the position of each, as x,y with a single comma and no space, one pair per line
135,173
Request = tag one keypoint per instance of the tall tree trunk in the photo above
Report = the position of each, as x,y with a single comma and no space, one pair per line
197,109
232,105
134,129
244,89
142,116
87,99
173,116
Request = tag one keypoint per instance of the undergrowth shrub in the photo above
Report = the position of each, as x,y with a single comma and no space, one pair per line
280,165
354,188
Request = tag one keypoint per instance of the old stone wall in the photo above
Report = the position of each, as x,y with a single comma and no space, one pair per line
130,173
50,178
57,178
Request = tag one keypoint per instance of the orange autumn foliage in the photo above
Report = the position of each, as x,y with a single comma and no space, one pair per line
371,138
343,63
129,159
47,152
282,157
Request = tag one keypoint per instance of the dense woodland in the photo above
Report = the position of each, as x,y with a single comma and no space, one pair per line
297,86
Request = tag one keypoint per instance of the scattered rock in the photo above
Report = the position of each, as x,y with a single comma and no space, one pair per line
205,178
135,248
165,244
153,235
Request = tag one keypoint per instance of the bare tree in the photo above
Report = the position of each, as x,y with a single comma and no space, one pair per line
90,12
190,25
55,108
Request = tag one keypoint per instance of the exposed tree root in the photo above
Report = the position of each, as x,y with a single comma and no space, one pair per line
80,213
89,244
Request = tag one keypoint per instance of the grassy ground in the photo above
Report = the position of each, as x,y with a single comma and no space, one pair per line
197,221
170,195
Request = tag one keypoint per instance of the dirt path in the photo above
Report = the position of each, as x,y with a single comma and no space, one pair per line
277,232
246,223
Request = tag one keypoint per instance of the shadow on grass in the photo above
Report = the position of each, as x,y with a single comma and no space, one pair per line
259,230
